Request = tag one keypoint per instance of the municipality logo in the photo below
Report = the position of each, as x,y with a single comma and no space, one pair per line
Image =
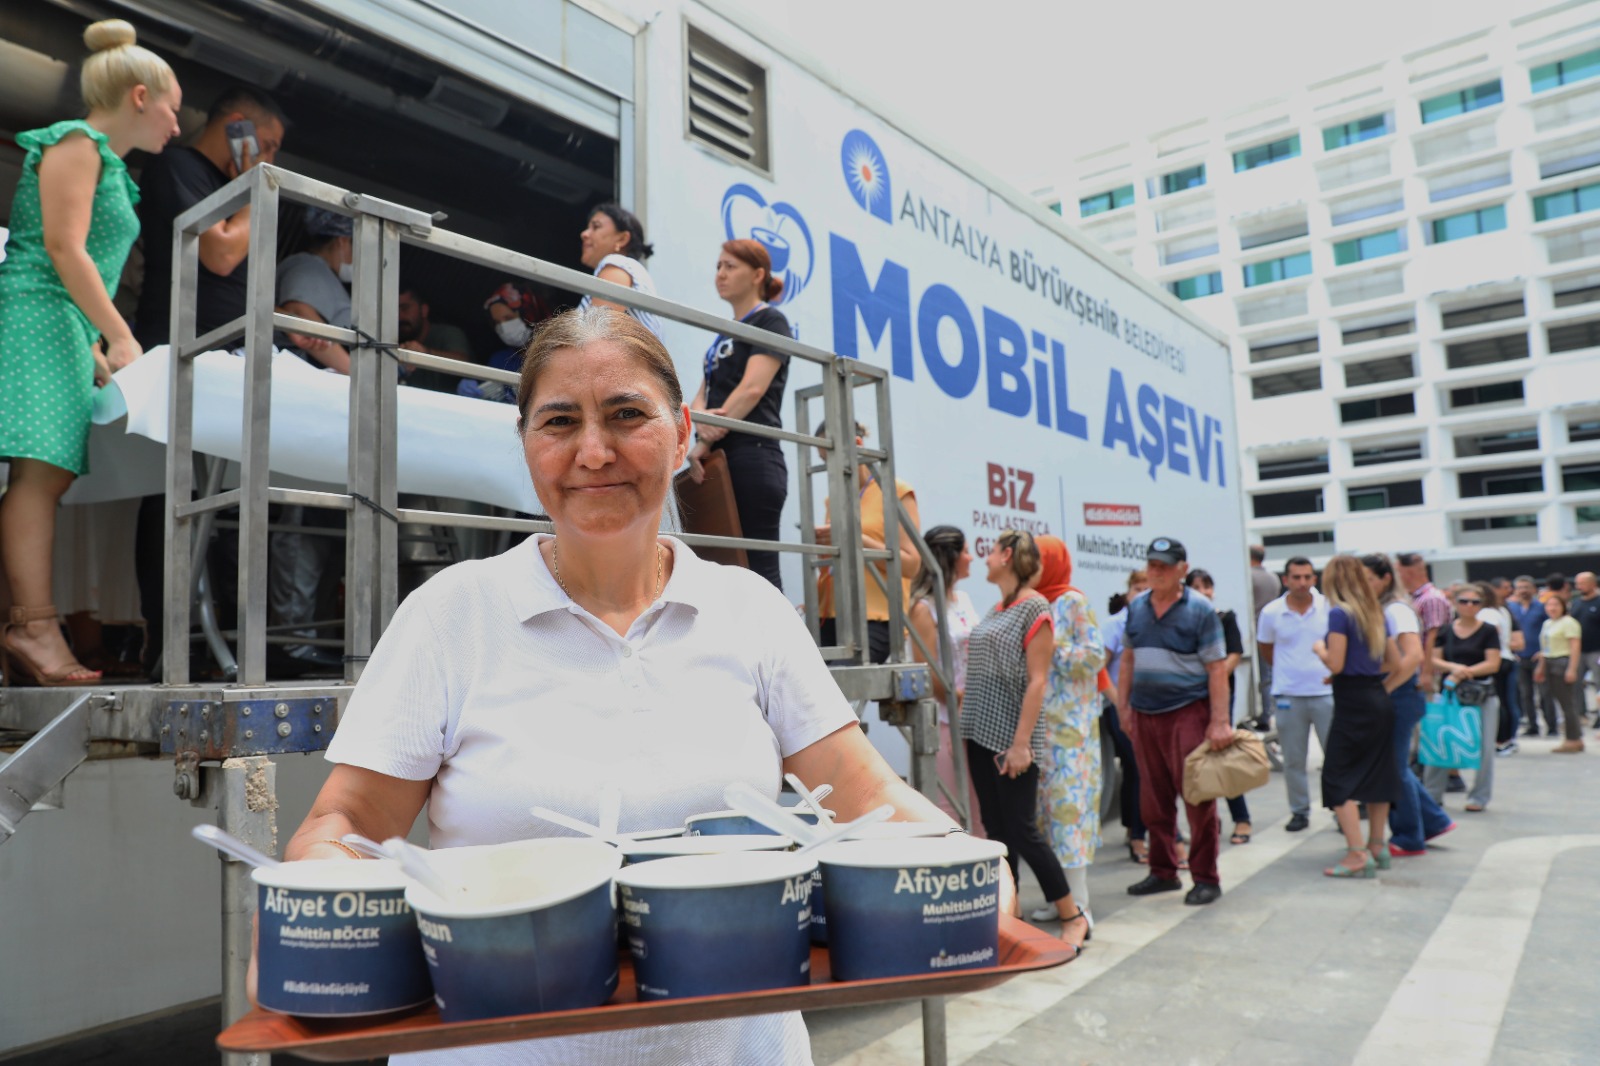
779,228
866,174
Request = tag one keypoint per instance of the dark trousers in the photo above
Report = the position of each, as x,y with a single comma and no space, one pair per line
760,482
1162,742
1129,800
877,638
1532,697
1009,807
1415,816
1508,706
150,568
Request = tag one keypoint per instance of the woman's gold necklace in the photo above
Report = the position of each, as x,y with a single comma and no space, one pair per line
555,564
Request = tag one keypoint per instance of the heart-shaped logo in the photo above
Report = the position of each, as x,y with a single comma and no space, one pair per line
777,227
866,174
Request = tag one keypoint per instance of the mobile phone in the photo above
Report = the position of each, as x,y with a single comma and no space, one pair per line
1000,761
241,136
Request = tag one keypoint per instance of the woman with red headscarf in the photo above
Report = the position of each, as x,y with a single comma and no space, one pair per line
1069,781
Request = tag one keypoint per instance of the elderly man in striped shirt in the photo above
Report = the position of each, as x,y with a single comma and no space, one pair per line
1174,677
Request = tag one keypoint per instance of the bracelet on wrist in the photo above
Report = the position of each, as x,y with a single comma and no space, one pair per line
354,854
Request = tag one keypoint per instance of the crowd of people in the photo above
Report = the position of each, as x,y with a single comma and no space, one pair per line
1351,653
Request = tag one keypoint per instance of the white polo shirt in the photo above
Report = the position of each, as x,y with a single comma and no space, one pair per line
505,693
1296,670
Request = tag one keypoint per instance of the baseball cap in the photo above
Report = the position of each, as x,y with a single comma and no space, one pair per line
1166,550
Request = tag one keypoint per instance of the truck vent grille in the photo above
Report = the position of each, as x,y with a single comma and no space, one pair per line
727,96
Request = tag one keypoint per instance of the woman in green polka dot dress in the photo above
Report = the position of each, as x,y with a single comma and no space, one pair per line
72,223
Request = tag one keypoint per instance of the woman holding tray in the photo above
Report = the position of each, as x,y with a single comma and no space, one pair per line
606,655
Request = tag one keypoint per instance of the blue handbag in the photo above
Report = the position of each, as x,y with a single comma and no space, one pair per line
1452,734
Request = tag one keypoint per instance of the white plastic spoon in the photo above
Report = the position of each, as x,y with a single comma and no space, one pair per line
577,825
812,799
366,845
414,864
229,844
752,804
842,832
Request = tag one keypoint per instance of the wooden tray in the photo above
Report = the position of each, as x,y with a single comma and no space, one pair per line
1022,948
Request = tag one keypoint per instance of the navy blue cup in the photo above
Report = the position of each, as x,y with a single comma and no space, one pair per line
902,907
534,931
715,844
707,925
337,939
880,831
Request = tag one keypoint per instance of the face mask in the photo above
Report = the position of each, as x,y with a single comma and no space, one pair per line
346,273
514,332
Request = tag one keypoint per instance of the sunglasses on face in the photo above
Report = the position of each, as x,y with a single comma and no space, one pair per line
1470,603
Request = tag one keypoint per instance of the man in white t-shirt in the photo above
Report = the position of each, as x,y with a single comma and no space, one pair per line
1285,633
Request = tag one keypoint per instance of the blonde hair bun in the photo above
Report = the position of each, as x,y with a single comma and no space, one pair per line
117,63
111,33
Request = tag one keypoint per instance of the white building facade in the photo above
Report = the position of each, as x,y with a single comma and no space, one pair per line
1407,258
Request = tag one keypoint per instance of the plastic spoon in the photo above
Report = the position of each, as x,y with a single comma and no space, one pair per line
229,844
579,826
366,845
747,801
812,799
841,832
415,866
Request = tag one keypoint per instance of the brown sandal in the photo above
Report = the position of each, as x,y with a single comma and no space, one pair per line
72,674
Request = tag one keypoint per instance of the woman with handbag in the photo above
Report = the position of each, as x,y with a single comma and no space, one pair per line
1466,654
1358,766
1415,818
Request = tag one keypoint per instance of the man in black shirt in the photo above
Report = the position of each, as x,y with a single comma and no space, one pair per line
1585,607
169,185
175,181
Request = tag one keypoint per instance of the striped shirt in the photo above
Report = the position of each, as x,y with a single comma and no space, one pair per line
1170,653
1433,610
997,675
641,281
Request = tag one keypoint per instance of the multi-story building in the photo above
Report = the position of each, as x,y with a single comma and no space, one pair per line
1408,259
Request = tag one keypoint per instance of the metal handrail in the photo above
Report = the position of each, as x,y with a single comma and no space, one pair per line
379,230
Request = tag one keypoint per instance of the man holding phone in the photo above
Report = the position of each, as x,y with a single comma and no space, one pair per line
169,185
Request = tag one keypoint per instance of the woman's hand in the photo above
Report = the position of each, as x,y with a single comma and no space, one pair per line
121,351
1008,891
1538,674
1015,760
697,469
712,434
1460,673
1572,672
102,369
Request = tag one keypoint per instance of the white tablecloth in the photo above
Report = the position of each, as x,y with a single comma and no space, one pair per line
449,445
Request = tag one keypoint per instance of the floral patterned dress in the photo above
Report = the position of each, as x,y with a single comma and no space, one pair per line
1069,782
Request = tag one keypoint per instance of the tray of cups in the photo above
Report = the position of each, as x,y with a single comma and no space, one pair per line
1021,948
559,937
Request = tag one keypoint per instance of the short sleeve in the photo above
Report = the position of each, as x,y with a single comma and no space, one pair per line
1338,622
397,721
1264,633
803,703
1403,619
1209,643
772,320
1232,639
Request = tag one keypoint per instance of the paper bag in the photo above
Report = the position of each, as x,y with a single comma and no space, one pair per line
1233,771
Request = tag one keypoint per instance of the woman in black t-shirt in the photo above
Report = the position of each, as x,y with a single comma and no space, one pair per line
741,381
1468,650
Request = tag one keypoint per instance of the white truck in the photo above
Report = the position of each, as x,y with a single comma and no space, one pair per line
1037,382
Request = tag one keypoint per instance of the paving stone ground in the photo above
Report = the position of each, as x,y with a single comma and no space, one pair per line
1290,967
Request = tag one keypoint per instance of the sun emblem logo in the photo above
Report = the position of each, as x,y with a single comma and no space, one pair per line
866,174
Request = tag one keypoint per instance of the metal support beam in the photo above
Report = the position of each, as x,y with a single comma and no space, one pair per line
935,1051
42,763
245,794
